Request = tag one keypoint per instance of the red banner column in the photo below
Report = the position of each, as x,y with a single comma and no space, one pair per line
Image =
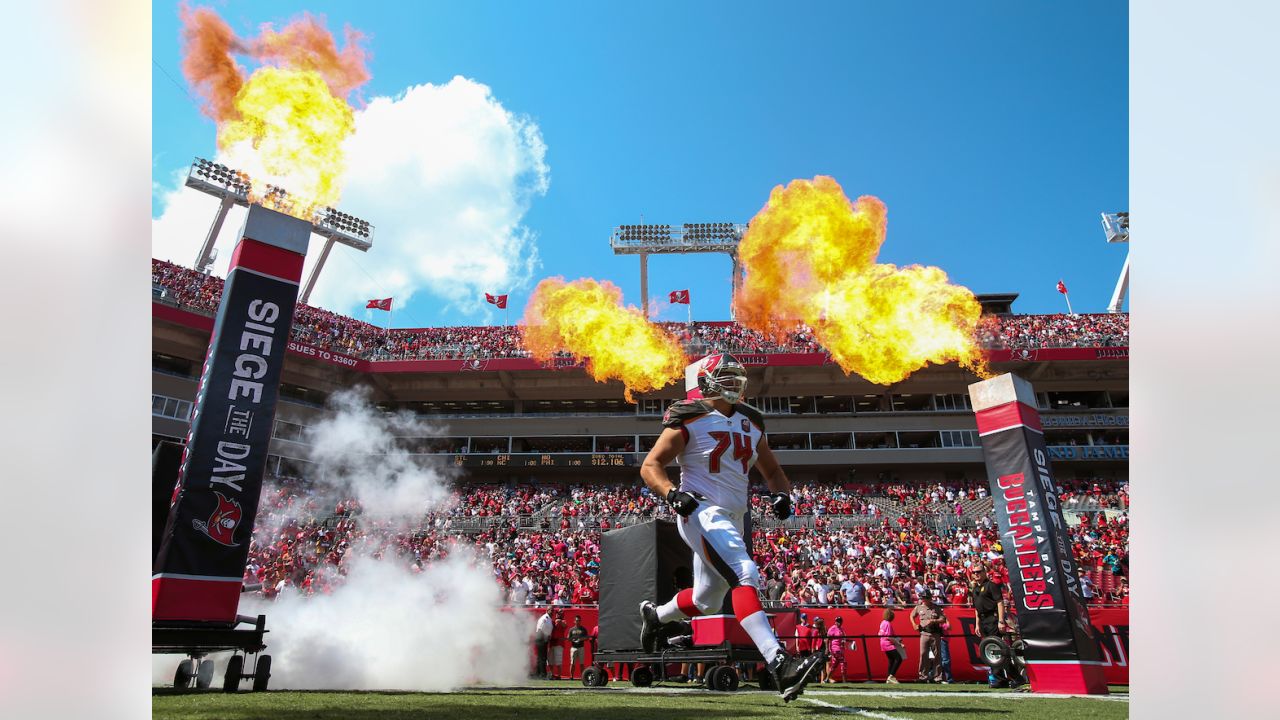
1062,648
200,566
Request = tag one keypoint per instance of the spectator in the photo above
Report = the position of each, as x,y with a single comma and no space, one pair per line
542,640
835,650
894,652
804,637
577,642
944,652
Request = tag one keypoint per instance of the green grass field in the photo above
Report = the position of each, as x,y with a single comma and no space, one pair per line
620,701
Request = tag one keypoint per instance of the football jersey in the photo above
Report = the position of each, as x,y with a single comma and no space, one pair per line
719,450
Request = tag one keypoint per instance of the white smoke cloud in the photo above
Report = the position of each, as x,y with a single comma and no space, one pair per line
386,626
355,455
446,175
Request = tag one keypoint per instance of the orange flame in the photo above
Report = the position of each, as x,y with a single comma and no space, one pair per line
810,254
586,318
285,125
289,133
208,44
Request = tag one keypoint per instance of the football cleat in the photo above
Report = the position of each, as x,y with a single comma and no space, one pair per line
649,625
791,674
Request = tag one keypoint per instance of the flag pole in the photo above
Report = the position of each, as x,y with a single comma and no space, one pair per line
1067,296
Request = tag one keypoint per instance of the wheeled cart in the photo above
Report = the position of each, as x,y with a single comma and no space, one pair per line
198,640
648,668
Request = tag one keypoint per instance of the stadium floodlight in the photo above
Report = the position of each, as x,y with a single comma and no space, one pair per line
232,187
1116,226
644,240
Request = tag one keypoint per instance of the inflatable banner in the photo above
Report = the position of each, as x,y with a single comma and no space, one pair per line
200,566
1062,651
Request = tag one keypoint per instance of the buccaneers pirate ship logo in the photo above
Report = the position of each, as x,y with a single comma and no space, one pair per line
222,523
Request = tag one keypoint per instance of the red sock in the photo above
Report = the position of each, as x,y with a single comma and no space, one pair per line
684,601
746,602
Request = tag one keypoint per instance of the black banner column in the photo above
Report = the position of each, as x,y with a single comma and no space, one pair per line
1062,650
200,567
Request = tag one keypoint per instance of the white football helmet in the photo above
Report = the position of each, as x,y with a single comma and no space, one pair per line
722,376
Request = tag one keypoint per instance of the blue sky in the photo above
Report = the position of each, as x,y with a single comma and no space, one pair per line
995,132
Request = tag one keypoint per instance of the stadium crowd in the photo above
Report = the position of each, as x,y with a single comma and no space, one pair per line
330,331
1040,331
303,542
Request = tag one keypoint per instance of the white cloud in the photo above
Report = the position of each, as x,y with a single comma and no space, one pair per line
444,172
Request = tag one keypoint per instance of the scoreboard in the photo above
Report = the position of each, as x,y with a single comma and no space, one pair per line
547,460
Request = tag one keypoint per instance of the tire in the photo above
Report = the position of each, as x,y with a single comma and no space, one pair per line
182,676
589,677
204,674
994,652
724,679
231,677
642,676
261,673
603,678
1019,655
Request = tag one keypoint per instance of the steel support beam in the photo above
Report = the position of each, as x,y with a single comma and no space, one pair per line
1122,288
315,270
206,250
644,283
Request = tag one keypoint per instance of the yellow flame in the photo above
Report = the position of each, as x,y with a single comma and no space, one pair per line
587,319
289,132
810,254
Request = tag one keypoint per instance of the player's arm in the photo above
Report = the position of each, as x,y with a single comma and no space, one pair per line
654,468
773,474
775,478
654,471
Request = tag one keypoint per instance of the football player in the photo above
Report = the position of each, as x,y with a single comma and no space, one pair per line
717,439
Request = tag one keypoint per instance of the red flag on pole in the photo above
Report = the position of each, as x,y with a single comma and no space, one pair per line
499,300
679,296
383,304
1062,287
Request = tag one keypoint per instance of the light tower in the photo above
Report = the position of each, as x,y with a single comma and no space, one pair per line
1116,226
644,240
231,187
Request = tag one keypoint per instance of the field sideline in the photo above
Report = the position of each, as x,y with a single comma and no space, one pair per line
561,700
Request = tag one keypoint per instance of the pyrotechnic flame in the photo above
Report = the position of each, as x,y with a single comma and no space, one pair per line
289,133
286,124
809,256
587,319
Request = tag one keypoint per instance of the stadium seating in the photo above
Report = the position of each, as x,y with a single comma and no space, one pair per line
194,291
542,542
